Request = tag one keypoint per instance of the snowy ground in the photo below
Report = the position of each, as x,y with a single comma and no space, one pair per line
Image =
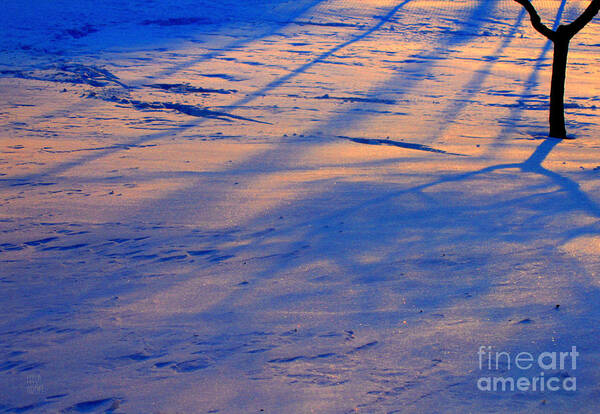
292,206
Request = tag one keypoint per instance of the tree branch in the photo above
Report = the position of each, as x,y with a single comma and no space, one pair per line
536,21
584,19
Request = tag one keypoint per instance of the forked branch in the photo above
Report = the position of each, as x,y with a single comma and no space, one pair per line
536,21
585,18
561,38
568,30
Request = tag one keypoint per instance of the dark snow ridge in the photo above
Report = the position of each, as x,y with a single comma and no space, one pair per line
120,146
187,88
355,99
178,21
190,110
325,24
400,144
68,73
81,32
221,76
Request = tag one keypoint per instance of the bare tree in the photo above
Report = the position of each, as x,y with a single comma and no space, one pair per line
561,38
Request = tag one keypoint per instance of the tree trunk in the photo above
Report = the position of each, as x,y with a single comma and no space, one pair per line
557,89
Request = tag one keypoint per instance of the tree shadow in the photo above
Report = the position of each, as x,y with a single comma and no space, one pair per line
407,257
60,168
316,300
374,298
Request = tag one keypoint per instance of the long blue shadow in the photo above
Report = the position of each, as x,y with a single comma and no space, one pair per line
531,83
274,28
100,154
424,63
473,87
284,79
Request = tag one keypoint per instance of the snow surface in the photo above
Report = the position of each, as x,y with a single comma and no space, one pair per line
292,206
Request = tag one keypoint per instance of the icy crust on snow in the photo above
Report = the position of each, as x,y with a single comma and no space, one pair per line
292,206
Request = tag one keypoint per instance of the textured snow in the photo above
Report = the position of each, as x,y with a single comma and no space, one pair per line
292,206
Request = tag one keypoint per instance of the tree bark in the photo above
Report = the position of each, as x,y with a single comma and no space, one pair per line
561,38
557,87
